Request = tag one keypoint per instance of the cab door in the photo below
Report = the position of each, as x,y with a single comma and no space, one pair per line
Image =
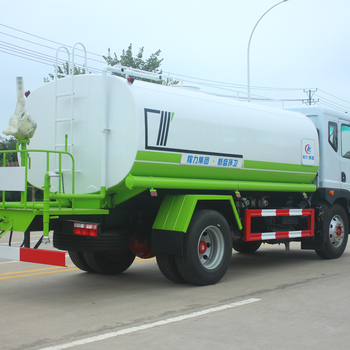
345,154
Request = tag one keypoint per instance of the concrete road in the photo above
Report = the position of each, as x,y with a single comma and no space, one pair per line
267,300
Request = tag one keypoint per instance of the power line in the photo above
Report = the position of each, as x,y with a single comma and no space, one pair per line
334,96
38,57
336,103
30,59
237,89
18,49
51,48
333,106
214,83
39,37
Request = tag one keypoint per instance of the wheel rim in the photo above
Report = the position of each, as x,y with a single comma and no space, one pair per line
211,247
336,231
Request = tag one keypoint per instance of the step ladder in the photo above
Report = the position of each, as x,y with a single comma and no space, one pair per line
59,119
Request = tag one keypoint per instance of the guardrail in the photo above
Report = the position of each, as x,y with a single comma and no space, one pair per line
53,202
16,178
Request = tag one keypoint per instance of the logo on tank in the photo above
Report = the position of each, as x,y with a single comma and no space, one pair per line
308,149
157,125
212,160
307,152
158,130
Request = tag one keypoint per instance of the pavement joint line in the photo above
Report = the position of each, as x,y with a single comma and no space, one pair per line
150,325
67,255
46,270
37,273
30,271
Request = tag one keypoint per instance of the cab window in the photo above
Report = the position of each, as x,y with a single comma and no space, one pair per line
345,141
333,135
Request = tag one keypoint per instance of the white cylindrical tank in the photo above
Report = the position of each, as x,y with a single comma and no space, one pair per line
162,131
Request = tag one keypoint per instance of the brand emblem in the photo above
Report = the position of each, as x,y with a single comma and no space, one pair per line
308,148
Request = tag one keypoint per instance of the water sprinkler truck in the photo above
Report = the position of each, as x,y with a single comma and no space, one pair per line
132,168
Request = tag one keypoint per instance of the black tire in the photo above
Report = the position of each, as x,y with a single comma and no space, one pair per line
207,249
109,263
167,266
246,247
107,241
336,231
79,261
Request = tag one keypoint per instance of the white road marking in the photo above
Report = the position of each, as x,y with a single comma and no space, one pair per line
150,325
9,262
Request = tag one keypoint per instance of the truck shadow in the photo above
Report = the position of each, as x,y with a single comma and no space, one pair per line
268,268
267,260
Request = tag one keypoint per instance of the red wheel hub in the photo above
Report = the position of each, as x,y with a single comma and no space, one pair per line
338,231
202,247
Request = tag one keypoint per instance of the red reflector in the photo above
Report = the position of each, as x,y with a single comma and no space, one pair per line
84,229
41,256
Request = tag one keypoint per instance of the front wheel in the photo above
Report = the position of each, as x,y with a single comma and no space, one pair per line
207,249
336,231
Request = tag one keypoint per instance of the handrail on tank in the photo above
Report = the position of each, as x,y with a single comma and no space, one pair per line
127,71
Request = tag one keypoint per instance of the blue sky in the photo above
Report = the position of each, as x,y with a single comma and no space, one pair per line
298,44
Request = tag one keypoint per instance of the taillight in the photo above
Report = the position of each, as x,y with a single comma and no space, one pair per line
85,229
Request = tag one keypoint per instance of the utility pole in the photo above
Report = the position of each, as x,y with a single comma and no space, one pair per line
248,50
310,93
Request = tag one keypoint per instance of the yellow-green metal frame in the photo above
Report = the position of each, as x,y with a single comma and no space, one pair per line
176,211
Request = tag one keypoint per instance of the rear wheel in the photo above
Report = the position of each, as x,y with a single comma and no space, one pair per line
246,247
108,240
207,249
336,231
167,266
79,261
109,263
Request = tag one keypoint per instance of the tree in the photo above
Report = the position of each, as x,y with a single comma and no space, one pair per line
8,144
151,64
63,71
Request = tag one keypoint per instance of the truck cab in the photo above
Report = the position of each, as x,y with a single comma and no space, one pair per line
334,141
